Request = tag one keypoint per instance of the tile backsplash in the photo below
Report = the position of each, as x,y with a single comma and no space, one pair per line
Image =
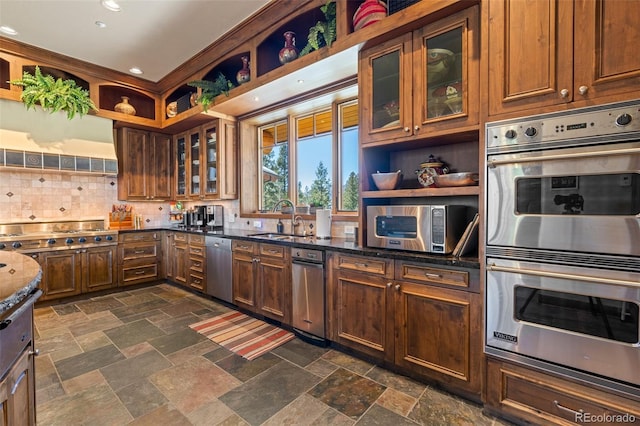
54,196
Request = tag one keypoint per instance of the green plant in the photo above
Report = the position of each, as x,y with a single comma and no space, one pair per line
211,89
54,95
323,33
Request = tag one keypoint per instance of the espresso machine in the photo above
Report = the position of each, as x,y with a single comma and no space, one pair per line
212,216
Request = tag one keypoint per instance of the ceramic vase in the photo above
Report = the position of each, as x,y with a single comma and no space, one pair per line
289,52
369,12
125,107
244,74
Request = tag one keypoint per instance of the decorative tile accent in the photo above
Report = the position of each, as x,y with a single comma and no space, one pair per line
160,208
12,271
112,183
62,209
32,217
148,220
42,179
79,188
10,194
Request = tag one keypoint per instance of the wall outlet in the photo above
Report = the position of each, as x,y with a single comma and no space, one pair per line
349,229
231,218
257,224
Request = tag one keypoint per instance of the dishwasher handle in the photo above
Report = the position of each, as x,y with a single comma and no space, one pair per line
307,263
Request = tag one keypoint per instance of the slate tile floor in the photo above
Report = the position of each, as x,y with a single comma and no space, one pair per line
129,358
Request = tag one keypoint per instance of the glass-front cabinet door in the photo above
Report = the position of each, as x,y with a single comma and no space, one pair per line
386,96
210,160
181,166
194,163
446,72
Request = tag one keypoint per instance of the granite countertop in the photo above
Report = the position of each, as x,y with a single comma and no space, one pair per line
19,276
335,244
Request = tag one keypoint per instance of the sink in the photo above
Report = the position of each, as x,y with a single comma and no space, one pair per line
274,237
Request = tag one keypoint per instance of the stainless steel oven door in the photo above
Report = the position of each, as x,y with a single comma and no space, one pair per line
584,199
580,318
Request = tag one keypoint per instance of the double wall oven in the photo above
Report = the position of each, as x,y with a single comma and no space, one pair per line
563,243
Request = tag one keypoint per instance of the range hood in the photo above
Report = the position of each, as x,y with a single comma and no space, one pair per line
36,139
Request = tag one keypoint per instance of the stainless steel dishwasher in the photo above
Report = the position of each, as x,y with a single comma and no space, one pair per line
308,294
219,280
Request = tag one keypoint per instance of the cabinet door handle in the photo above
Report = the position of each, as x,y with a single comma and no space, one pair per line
17,383
432,275
273,251
140,272
567,409
34,352
139,251
361,265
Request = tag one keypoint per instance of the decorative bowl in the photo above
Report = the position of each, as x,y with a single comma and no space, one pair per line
456,179
386,181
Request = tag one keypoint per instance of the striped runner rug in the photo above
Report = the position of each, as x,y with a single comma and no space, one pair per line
242,334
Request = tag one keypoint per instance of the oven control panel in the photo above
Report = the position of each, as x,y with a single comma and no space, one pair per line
580,126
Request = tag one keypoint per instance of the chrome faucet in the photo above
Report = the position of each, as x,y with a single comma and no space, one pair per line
294,221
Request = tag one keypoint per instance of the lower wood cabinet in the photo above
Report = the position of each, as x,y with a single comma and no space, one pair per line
18,391
72,272
525,395
262,279
139,257
419,323
185,258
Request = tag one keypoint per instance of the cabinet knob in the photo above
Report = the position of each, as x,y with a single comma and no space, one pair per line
407,129
564,93
34,352
583,90
416,128
397,287
389,284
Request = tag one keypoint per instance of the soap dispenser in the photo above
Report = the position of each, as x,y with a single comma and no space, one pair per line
280,226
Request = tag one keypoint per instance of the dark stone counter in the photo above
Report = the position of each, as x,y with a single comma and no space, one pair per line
19,276
333,244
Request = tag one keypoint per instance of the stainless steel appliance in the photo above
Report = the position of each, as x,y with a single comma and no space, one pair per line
308,294
48,236
563,258
219,280
425,228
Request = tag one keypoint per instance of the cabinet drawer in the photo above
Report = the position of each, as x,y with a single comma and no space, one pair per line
527,394
273,250
364,264
243,246
139,251
132,237
196,239
139,274
179,236
196,251
196,281
197,264
429,274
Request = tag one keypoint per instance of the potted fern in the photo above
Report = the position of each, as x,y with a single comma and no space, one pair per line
211,89
323,33
54,95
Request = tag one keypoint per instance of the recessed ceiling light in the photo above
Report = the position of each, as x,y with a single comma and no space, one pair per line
111,5
256,99
135,70
8,30
101,24
300,81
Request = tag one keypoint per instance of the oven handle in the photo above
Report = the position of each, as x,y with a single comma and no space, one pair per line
493,162
597,280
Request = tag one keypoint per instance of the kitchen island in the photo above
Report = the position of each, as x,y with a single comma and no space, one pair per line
19,279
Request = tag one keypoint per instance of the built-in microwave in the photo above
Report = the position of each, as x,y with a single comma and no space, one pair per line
424,228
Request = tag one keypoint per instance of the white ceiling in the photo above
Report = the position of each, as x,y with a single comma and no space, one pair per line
154,35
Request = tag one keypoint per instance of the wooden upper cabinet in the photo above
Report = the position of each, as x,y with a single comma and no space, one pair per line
206,162
422,81
544,53
144,165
